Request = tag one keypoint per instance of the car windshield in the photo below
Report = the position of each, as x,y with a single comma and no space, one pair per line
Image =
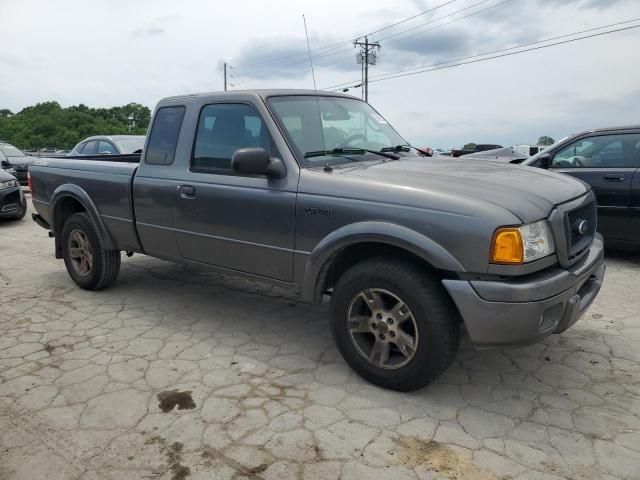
533,159
333,130
10,150
131,145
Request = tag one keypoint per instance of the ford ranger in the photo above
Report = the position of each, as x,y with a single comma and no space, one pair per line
317,192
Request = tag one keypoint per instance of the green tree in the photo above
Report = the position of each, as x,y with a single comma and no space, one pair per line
546,141
47,124
469,146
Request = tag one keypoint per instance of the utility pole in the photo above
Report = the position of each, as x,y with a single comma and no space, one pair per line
366,57
225,76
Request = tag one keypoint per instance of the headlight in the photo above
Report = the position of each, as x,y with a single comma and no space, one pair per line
515,245
8,184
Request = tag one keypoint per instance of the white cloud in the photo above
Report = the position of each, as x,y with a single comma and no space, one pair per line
105,53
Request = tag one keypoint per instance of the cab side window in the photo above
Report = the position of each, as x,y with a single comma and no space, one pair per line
163,139
223,129
603,151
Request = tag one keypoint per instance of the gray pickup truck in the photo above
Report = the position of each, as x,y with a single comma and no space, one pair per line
317,192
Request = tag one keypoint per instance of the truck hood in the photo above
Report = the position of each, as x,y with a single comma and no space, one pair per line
529,193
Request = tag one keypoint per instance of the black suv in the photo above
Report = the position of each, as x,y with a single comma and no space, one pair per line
14,160
12,201
608,159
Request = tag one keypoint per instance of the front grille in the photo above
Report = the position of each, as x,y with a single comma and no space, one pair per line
580,227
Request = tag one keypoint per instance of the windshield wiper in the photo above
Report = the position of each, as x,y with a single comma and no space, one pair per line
398,148
349,151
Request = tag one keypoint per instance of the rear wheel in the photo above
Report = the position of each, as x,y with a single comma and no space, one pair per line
394,324
89,264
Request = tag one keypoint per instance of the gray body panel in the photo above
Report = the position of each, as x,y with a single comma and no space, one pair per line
288,230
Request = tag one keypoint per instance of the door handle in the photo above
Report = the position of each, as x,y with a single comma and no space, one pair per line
613,177
187,191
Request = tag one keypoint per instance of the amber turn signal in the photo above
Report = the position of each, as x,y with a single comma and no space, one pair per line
507,246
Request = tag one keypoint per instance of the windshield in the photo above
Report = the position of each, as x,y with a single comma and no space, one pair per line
131,145
535,157
316,124
10,150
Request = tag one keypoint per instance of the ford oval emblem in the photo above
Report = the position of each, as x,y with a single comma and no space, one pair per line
582,227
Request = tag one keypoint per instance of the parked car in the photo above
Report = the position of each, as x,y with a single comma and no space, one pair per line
482,147
284,186
13,204
608,159
504,155
109,145
11,158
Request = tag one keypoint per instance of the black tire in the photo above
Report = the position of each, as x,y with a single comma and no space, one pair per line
434,320
105,264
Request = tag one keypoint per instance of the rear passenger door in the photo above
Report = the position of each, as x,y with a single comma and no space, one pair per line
234,221
607,163
154,189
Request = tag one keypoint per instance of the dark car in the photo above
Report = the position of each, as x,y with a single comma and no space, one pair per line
608,159
14,159
481,147
12,201
504,155
109,145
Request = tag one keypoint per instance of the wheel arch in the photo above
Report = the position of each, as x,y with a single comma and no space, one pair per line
69,199
350,244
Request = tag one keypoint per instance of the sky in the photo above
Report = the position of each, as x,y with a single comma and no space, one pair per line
112,52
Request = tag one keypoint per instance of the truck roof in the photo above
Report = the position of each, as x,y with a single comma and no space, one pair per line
263,92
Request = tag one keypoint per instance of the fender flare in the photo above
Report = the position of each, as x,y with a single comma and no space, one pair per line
78,194
371,231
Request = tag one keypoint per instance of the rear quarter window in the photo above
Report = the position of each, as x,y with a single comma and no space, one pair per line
163,139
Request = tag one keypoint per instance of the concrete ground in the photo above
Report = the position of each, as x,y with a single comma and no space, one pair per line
175,373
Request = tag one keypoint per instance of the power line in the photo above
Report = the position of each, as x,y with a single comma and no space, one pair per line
513,48
442,18
430,29
409,18
331,49
508,54
468,60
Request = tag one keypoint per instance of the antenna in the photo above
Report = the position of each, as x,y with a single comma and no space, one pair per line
313,74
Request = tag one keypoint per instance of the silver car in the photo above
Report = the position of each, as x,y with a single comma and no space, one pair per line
109,145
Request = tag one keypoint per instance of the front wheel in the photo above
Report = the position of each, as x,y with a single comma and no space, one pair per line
89,264
394,324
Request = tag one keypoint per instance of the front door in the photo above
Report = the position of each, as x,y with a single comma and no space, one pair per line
607,163
234,221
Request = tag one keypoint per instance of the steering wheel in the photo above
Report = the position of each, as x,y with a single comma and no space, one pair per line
350,139
577,162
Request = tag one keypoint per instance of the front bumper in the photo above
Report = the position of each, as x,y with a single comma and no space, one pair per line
12,202
525,310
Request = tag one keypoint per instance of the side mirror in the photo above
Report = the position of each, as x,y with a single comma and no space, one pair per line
5,163
545,161
256,161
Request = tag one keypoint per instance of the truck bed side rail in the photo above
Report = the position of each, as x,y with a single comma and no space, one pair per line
126,158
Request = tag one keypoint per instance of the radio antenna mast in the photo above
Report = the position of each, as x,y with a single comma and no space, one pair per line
313,74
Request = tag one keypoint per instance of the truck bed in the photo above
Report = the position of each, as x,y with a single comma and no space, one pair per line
105,183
